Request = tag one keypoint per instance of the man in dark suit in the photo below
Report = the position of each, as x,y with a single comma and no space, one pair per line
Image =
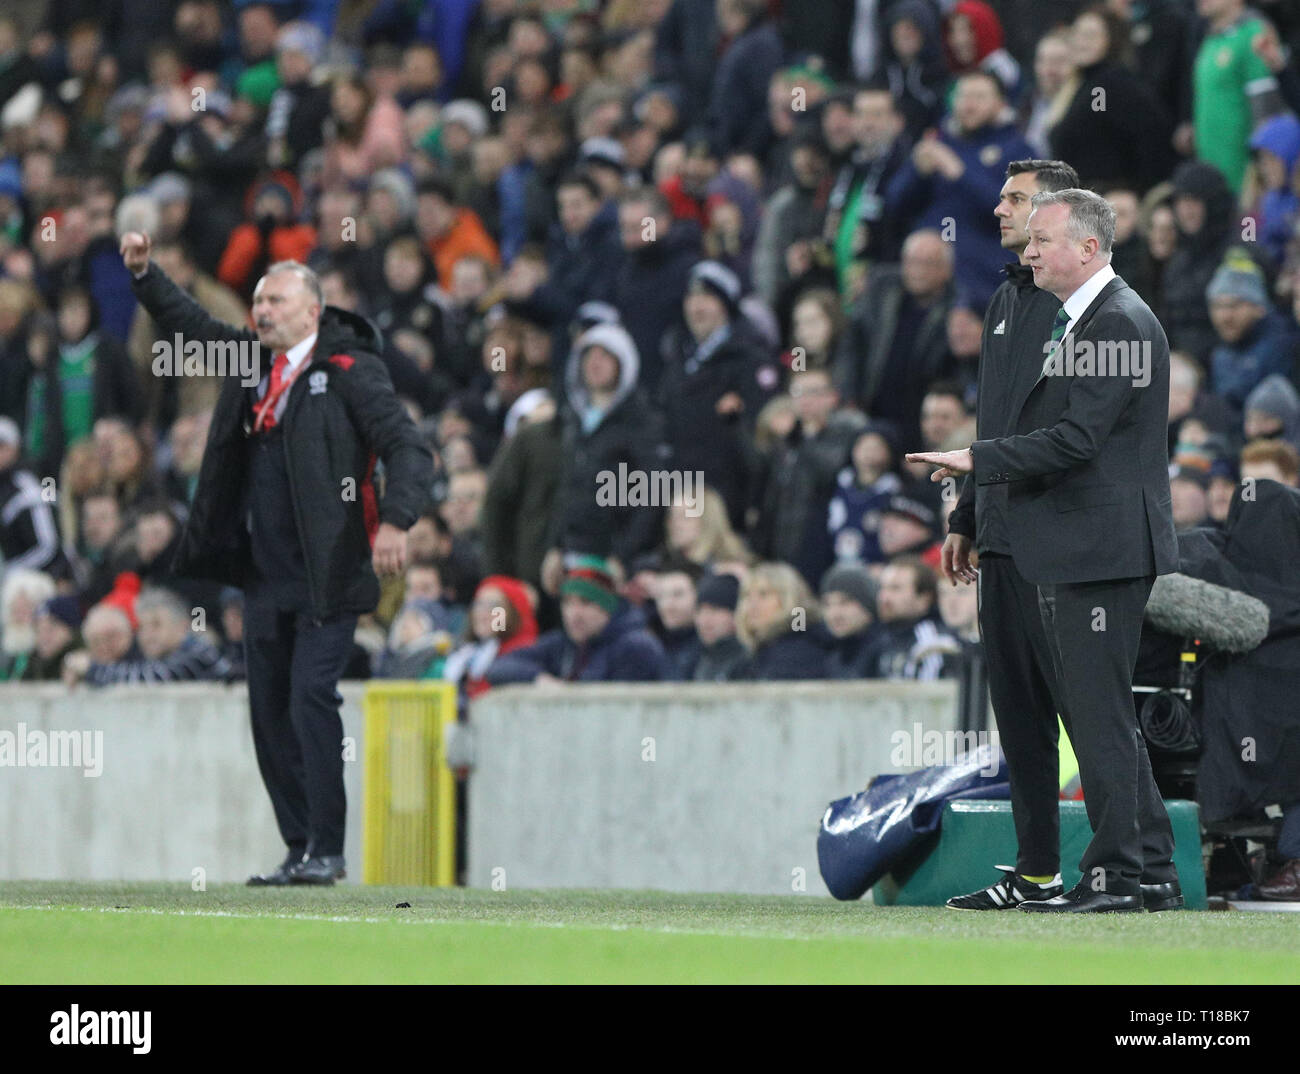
1090,525
286,509
1022,683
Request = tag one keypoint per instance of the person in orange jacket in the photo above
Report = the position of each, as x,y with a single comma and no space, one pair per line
271,234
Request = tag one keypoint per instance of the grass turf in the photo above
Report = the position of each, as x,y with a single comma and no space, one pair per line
101,933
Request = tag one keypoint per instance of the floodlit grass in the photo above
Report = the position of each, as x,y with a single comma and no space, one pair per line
165,933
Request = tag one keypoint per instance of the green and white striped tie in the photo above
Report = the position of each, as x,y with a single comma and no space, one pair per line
1058,325
1058,333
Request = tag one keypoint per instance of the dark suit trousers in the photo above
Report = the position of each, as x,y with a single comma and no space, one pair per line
1093,630
1022,687
294,664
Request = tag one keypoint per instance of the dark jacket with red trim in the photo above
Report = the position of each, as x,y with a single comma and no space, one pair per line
341,414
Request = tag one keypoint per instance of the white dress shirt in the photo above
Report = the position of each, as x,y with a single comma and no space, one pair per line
1086,292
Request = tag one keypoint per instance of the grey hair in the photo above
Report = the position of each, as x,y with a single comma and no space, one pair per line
1091,215
309,278
163,600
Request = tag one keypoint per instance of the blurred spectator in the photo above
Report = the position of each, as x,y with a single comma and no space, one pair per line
109,640
611,437
897,337
169,649
1273,411
450,232
857,226
776,618
908,527
1203,214
863,489
722,655
701,532
419,639
58,632
799,478
603,638
29,535
973,38
914,645
520,499
751,56
582,254
85,376
272,233
296,117
1189,488
675,606
501,620
955,176
849,605
1055,81
1271,460
1275,147
716,378
1255,340
232,630
915,73
651,281
1233,89
1114,130
366,131
22,593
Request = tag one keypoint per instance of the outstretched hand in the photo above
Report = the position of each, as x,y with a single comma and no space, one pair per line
135,251
950,463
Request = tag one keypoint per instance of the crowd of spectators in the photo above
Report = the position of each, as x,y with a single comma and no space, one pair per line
749,242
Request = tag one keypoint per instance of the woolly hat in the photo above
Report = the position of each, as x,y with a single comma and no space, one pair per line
65,609
591,578
719,591
126,587
716,277
854,581
1238,277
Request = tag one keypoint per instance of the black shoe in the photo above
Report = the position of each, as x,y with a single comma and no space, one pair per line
1081,899
279,877
322,870
1157,897
1007,893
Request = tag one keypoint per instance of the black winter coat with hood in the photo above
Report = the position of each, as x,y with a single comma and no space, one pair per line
341,414
592,514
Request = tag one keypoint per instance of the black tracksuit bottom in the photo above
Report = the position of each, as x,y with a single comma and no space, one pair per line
1071,649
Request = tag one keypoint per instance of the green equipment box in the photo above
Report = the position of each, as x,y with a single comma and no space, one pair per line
974,836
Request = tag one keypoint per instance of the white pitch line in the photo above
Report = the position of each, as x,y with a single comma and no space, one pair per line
616,927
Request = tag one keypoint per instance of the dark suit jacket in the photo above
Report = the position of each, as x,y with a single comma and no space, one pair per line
1088,498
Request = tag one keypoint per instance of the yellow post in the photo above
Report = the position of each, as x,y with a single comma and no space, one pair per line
409,792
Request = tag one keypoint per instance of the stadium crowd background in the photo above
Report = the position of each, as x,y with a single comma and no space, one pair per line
744,238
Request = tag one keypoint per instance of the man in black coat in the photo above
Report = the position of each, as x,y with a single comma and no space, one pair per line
612,436
651,281
1021,677
286,508
1089,522
715,381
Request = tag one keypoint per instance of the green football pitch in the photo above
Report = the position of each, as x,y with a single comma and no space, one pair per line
99,933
